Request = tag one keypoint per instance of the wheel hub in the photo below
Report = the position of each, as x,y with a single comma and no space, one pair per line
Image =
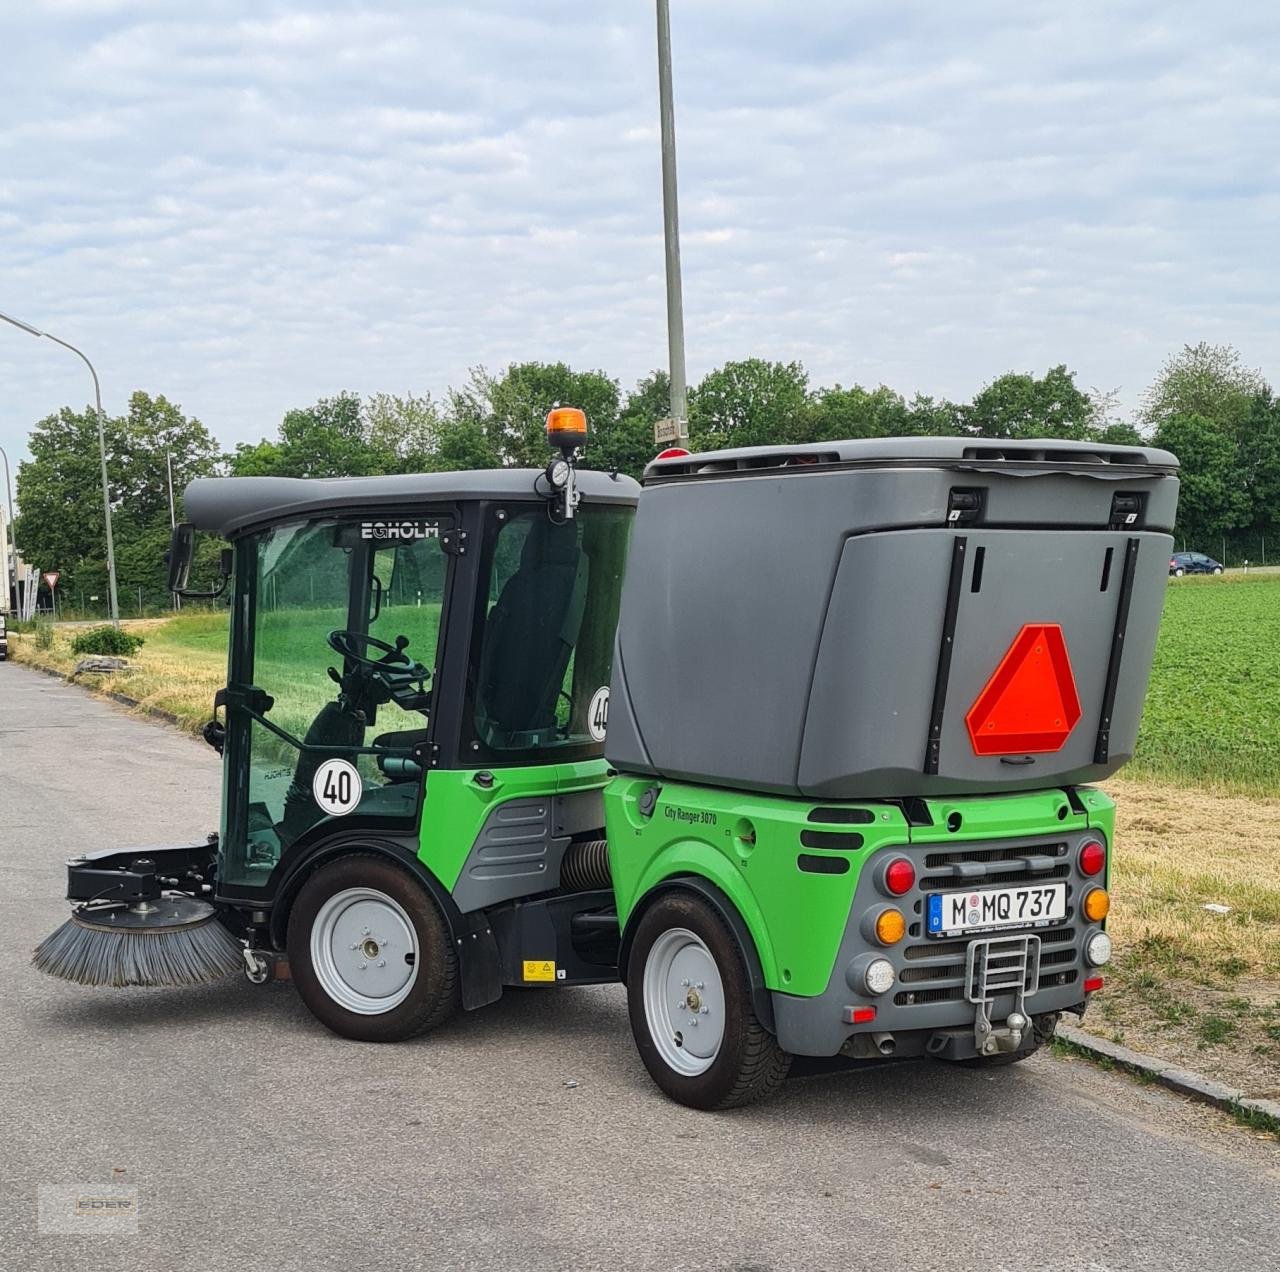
364,951
684,1001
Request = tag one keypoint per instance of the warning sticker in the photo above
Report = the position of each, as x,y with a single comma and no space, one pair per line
538,969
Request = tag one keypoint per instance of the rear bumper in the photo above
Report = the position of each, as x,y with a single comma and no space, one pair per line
938,1003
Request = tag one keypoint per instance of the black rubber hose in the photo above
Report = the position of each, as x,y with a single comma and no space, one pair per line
586,866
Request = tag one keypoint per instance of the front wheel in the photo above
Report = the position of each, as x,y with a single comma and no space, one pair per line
689,999
1217,569
370,952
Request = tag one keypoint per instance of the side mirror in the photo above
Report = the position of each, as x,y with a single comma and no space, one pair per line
182,545
179,557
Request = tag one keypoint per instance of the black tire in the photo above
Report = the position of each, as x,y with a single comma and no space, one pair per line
749,1064
1042,1030
434,996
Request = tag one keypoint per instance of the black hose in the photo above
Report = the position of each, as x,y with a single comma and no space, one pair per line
586,866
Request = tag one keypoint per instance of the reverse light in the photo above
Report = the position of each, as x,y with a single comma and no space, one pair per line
1093,857
879,976
1097,950
1097,905
899,877
1093,984
891,927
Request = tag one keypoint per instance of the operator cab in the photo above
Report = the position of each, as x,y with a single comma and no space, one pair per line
384,627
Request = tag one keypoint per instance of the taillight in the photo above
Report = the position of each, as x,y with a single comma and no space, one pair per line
899,877
1093,858
1092,984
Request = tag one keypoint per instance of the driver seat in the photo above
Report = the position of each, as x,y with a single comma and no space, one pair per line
531,632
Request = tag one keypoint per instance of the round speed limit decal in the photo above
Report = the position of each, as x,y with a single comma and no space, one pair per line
337,787
598,713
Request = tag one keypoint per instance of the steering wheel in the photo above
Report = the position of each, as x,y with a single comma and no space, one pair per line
395,668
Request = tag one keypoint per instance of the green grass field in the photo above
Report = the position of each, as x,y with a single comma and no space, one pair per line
1212,714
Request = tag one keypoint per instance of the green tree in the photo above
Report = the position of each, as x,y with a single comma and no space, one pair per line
1212,499
512,408
1020,406
1259,456
406,430
750,403
1205,380
838,412
331,439
59,490
627,445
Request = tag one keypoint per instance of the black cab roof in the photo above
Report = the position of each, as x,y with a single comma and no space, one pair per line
228,506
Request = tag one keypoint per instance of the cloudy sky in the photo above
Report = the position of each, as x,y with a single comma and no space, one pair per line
245,205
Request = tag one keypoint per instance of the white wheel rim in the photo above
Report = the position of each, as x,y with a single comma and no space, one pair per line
364,951
684,1001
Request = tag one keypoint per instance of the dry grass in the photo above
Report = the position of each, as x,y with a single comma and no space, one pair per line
1188,984
170,672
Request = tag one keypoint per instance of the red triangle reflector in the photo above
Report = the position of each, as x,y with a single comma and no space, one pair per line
1030,703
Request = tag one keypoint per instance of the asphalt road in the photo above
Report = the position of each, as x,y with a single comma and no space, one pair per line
526,1136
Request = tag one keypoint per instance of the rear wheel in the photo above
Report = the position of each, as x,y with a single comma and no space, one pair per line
370,952
1178,573
689,999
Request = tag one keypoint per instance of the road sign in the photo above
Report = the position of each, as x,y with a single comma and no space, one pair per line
51,577
666,431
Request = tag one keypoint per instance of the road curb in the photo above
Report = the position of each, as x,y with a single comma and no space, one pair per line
1184,1081
156,713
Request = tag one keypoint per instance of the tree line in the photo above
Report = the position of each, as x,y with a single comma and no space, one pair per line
1218,416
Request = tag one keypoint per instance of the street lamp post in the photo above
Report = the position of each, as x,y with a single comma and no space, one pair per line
11,599
671,229
102,455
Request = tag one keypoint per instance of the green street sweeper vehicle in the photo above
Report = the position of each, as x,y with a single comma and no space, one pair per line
856,695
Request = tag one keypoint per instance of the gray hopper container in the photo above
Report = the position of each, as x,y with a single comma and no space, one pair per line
892,617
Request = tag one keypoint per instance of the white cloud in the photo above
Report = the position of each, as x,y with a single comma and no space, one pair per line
247,205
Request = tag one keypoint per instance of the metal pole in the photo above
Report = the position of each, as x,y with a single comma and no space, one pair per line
102,455
671,229
173,519
11,599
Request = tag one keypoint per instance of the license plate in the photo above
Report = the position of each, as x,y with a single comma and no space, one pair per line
985,909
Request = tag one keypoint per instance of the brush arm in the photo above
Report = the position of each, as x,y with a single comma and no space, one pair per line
141,874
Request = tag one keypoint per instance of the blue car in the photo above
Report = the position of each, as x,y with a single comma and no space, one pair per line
1181,563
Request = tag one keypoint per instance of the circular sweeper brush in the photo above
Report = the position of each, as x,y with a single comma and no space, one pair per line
174,940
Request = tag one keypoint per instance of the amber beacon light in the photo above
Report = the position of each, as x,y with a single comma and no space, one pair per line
566,427
566,431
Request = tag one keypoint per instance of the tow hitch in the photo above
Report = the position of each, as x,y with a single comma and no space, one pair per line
999,966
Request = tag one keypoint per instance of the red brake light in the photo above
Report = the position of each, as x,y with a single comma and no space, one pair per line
859,1015
1092,984
1093,857
899,876
673,452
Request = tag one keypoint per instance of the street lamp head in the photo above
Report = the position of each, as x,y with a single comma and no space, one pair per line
26,326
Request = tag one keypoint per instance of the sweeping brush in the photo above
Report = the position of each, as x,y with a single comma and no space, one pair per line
173,941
